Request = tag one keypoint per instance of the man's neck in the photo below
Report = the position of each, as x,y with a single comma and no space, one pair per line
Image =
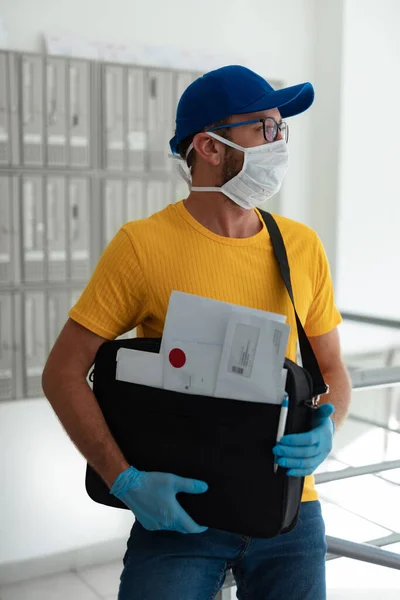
222,216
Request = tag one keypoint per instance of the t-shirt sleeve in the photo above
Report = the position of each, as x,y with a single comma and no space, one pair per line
323,315
115,299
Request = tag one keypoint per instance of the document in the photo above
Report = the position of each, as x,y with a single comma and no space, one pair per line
196,319
252,359
135,366
191,367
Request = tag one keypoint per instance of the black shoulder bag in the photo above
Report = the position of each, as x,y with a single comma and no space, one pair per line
227,443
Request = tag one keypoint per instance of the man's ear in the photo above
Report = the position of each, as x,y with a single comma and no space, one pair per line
210,149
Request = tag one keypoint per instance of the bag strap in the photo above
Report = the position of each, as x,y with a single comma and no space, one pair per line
308,357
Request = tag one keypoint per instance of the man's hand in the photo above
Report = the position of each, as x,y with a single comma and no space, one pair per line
302,453
152,499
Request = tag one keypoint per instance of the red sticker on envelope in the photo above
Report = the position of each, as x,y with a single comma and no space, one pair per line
177,358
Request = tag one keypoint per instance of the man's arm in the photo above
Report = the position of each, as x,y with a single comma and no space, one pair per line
64,384
327,350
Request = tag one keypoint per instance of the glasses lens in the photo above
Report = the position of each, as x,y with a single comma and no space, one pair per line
285,131
270,130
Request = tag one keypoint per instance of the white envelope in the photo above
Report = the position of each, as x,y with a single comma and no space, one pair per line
191,367
197,319
252,359
135,366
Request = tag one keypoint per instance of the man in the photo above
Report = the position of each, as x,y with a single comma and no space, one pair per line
230,131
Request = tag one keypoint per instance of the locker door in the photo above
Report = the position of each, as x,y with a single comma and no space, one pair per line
136,130
57,311
56,111
160,119
32,109
7,375
6,233
114,117
135,200
15,117
79,113
32,228
158,196
114,209
35,342
56,229
79,228
5,158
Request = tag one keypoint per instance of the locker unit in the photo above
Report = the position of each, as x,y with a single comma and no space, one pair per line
79,85
158,196
56,111
5,110
7,367
31,91
136,140
79,220
160,118
35,347
57,314
113,102
56,219
33,228
6,231
113,207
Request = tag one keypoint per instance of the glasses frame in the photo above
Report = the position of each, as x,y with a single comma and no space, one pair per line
285,133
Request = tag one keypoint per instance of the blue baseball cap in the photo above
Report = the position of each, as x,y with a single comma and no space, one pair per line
233,90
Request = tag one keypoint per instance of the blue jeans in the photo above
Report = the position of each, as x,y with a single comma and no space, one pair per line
174,566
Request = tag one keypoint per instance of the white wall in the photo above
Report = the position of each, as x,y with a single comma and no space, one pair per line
44,508
369,201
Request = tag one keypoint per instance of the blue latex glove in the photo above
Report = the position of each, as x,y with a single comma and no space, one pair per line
302,453
152,499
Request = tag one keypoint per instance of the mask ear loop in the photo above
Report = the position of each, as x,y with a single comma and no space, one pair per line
184,173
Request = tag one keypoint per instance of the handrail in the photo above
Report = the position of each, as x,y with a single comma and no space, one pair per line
362,379
370,320
363,552
356,471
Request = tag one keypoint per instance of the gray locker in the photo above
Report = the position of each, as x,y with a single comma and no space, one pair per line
56,229
15,113
7,373
114,208
158,196
160,99
32,109
135,208
136,141
113,88
57,311
5,158
35,342
79,85
32,211
56,111
79,228
6,231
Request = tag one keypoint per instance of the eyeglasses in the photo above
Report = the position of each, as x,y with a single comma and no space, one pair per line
271,128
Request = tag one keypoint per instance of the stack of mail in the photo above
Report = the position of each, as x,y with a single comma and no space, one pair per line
216,349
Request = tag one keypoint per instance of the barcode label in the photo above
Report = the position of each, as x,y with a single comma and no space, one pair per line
243,349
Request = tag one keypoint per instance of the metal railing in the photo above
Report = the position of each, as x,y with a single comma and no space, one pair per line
370,552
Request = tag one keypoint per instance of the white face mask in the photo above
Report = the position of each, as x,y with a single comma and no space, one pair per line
262,174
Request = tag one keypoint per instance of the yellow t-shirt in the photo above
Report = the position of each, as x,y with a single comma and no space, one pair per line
149,258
